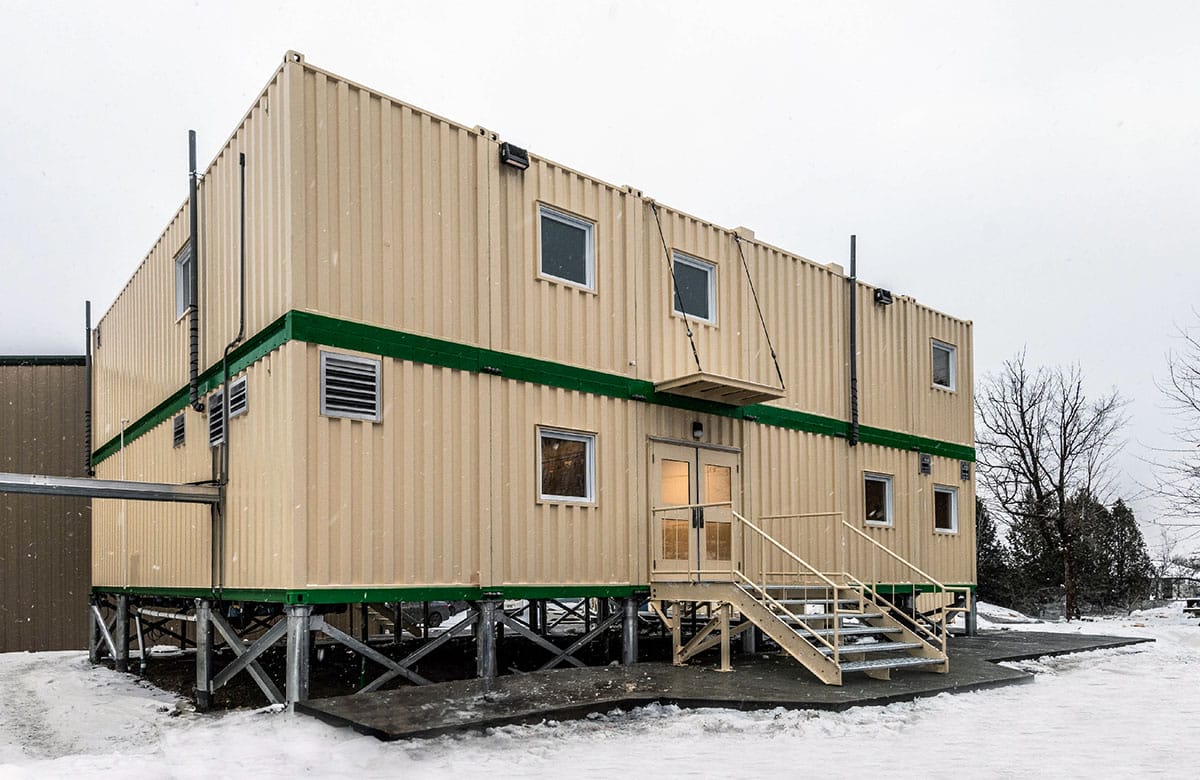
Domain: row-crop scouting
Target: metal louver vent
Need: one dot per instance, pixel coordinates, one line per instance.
(350, 387)
(216, 424)
(239, 402)
(178, 434)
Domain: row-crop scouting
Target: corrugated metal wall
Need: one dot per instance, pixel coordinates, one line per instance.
(363, 208)
(141, 354)
(44, 540)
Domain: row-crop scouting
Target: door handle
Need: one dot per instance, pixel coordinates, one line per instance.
(697, 517)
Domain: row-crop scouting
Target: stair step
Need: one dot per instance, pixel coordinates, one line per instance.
(771, 588)
(830, 616)
(873, 647)
(888, 663)
(844, 602)
(858, 631)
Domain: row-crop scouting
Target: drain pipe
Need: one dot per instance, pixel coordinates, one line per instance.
(87, 382)
(194, 281)
(219, 524)
(853, 343)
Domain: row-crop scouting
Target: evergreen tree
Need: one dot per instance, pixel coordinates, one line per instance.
(1125, 573)
(994, 567)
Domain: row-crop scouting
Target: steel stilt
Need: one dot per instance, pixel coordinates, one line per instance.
(296, 686)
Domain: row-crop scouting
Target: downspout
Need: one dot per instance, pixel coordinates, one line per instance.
(853, 344)
(219, 526)
(87, 382)
(194, 281)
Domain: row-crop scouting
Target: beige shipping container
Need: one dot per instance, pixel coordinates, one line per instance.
(396, 238)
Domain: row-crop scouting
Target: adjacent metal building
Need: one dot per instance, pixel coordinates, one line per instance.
(472, 372)
(45, 542)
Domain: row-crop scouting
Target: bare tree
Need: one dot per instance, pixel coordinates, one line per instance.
(1041, 442)
(1178, 470)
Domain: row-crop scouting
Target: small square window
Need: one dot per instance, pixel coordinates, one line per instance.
(567, 464)
(695, 284)
(943, 365)
(184, 294)
(568, 247)
(945, 509)
(877, 496)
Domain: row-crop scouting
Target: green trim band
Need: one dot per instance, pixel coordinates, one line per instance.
(341, 334)
(381, 595)
(43, 360)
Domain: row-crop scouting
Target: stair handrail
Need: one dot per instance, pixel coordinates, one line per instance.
(937, 585)
(833, 587)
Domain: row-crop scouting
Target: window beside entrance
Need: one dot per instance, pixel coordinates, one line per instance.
(567, 247)
(567, 463)
(695, 284)
(943, 365)
(945, 509)
(877, 495)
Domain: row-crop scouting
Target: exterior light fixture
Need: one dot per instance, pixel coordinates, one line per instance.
(883, 297)
(514, 156)
(697, 430)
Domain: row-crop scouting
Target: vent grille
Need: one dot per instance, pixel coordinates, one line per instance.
(239, 404)
(216, 422)
(349, 387)
(178, 433)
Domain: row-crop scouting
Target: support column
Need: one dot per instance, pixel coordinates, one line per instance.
(629, 632)
(121, 634)
(725, 611)
(485, 641)
(972, 615)
(203, 654)
(750, 640)
(93, 635)
(298, 629)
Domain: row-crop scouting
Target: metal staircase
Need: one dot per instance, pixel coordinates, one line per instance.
(831, 622)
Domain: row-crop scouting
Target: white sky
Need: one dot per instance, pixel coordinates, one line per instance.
(1031, 166)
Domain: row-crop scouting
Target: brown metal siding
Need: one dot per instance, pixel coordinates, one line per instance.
(44, 540)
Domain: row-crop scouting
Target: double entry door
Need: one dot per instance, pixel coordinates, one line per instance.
(693, 495)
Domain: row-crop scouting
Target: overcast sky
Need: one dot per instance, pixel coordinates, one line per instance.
(1033, 167)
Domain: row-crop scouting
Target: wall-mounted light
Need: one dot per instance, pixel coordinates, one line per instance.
(926, 461)
(883, 297)
(514, 156)
(697, 430)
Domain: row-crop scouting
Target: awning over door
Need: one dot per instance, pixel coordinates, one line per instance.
(719, 389)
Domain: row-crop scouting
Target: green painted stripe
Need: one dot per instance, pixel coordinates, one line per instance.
(42, 360)
(252, 349)
(381, 595)
(340, 334)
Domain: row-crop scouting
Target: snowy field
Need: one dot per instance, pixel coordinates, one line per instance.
(1130, 712)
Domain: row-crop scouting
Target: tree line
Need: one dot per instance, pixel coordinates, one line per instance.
(1051, 528)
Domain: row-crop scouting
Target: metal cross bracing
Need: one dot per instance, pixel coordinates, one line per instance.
(210, 628)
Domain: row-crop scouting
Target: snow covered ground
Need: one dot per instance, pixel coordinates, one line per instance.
(1129, 712)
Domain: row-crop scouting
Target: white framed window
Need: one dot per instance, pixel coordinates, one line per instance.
(694, 290)
(944, 365)
(566, 466)
(183, 280)
(945, 509)
(568, 247)
(350, 387)
(877, 499)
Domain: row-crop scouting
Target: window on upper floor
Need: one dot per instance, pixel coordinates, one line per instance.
(568, 247)
(877, 498)
(183, 280)
(945, 509)
(695, 287)
(944, 368)
(567, 464)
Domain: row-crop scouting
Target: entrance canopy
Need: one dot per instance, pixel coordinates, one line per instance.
(719, 389)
